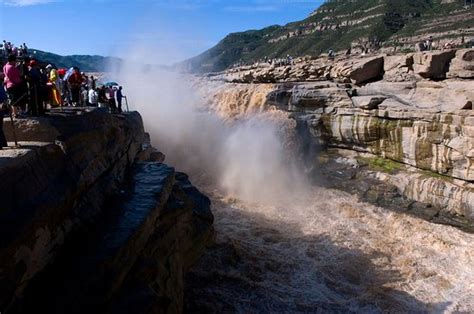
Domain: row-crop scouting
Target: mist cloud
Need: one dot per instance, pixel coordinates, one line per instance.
(245, 158)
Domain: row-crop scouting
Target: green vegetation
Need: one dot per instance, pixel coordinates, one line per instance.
(84, 62)
(381, 164)
(390, 166)
(328, 28)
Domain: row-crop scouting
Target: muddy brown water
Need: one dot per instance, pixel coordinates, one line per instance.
(319, 250)
(329, 253)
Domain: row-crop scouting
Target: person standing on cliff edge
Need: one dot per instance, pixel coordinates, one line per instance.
(93, 97)
(102, 98)
(13, 82)
(110, 93)
(3, 111)
(119, 97)
(75, 83)
(35, 107)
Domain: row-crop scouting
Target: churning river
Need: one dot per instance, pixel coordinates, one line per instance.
(310, 249)
(329, 252)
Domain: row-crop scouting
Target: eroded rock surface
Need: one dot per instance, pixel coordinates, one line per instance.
(433, 65)
(397, 186)
(398, 68)
(462, 66)
(66, 246)
(57, 186)
(134, 257)
(358, 71)
(446, 96)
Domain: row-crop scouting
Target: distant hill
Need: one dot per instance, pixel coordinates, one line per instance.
(86, 63)
(339, 24)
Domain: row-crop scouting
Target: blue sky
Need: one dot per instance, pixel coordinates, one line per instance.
(177, 28)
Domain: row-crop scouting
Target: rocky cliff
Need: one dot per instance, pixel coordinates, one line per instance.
(92, 220)
(395, 129)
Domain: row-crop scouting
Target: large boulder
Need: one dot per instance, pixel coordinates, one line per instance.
(433, 64)
(358, 71)
(462, 66)
(398, 68)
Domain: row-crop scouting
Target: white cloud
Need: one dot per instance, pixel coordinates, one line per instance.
(24, 3)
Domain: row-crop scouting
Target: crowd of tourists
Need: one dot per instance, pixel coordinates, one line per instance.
(279, 61)
(7, 48)
(30, 87)
(270, 61)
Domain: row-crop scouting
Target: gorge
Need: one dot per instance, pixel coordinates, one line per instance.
(321, 166)
(336, 186)
(340, 185)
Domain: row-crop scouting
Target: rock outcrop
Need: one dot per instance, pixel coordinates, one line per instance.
(71, 227)
(309, 95)
(368, 102)
(398, 187)
(439, 142)
(410, 109)
(358, 71)
(433, 65)
(398, 68)
(462, 66)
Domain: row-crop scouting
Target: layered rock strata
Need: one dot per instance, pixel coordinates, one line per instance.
(414, 110)
(397, 186)
(57, 215)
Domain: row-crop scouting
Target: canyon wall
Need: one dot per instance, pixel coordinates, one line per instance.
(403, 121)
(87, 210)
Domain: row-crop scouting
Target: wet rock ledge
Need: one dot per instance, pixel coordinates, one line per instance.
(91, 219)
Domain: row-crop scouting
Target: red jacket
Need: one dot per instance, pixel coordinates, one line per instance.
(75, 80)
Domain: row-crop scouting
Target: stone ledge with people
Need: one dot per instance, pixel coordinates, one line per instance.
(32, 88)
